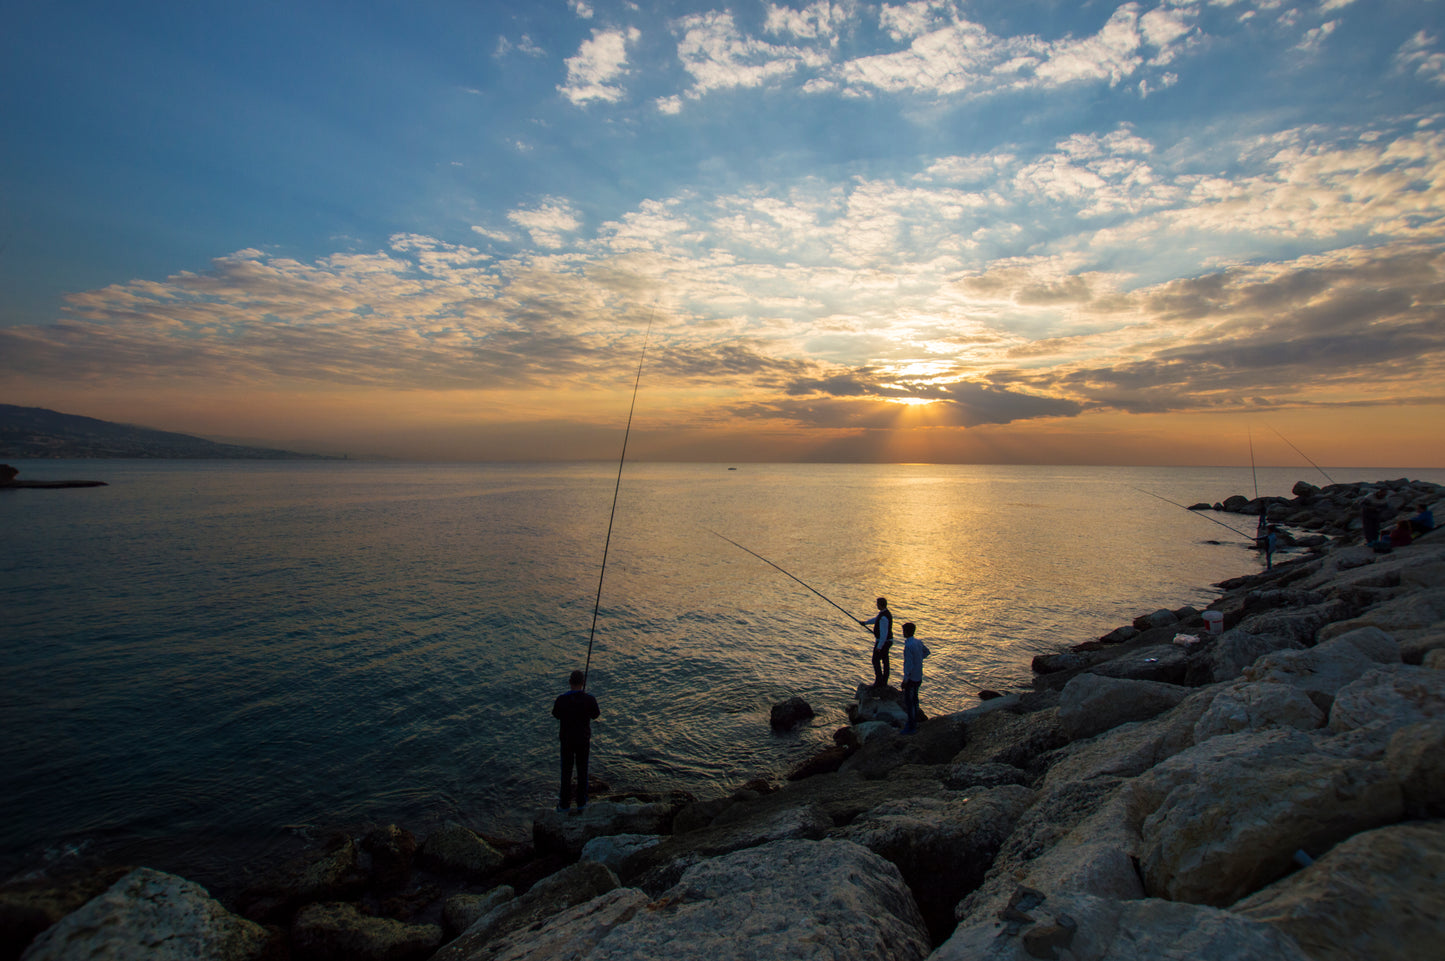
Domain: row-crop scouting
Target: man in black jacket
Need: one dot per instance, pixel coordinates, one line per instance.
(575, 709)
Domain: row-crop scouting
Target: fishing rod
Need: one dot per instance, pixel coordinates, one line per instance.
(1253, 473)
(1303, 454)
(1196, 513)
(611, 517)
(793, 576)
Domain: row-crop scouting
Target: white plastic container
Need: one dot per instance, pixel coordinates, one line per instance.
(1214, 621)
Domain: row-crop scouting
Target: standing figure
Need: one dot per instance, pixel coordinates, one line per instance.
(914, 651)
(575, 709)
(882, 624)
(1372, 510)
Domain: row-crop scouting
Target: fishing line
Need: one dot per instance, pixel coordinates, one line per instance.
(622, 460)
(1304, 455)
(793, 576)
(1196, 513)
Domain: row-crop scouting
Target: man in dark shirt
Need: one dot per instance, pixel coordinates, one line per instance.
(575, 709)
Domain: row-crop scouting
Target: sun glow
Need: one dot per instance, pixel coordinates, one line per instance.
(910, 401)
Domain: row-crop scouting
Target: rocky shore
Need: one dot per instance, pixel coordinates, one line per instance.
(1263, 779)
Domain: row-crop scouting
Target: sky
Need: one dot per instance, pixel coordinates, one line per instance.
(1177, 232)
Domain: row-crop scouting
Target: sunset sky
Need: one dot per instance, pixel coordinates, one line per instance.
(986, 232)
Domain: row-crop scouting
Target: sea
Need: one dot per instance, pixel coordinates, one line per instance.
(206, 663)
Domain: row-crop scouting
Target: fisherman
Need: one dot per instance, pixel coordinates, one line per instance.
(882, 625)
(575, 709)
(1424, 520)
(914, 651)
(1372, 510)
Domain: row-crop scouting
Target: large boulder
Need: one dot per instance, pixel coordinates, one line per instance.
(1225, 818)
(1375, 895)
(340, 932)
(149, 915)
(549, 897)
(331, 873)
(1166, 663)
(941, 846)
(1257, 707)
(613, 850)
(1236, 649)
(1389, 698)
(1416, 757)
(1079, 926)
(805, 900)
(1323, 669)
(1093, 703)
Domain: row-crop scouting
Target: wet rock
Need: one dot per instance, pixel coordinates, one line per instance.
(457, 851)
(790, 713)
(153, 916)
(339, 932)
(1160, 618)
(333, 873)
(393, 855)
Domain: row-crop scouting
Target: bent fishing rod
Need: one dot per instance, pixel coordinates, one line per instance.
(1197, 514)
(793, 576)
(597, 605)
(1302, 454)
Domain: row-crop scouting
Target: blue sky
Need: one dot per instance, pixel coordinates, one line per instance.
(935, 231)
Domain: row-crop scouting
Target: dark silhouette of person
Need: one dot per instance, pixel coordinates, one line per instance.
(914, 651)
(882, 624)
(575, 709)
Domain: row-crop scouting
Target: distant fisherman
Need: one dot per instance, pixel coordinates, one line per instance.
(882, 624)
(914, 651)
(575, 709)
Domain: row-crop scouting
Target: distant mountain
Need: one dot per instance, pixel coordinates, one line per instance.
(34, 432)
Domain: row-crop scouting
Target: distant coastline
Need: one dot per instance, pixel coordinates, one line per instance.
(34, 433)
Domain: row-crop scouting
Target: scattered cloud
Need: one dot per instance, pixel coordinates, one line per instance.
(1419, 56)
(601, 61)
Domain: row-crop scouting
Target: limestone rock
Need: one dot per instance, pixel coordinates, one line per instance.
(1323, 669)
(614, 849)
(1085, 928)
(1375, 895)
(1091, 703)
(149, 915)
(1257, 707)
(573, 885)
(567, 832)
(333, 873)
(1236, 649)
(941, 846)
(1390, 698)
(458, 851)
(1224, 818)
(572, 935)
(339, 932)
(966, 774)
(802, 900)
(1165, 663)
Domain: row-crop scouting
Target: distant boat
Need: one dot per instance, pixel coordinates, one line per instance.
(732, 468)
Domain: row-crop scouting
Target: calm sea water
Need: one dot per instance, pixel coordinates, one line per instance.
(204, 659)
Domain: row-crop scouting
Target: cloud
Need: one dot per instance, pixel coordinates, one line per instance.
(1417, 55)
(547, 222)
(599, 62)
(718, 57)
